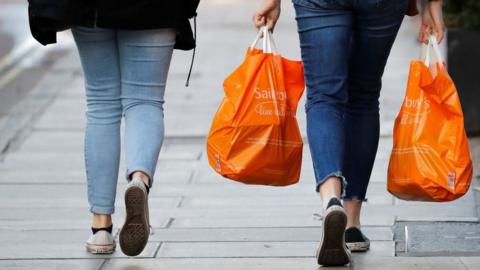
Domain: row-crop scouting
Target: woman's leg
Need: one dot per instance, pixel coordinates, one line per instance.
(145, 59)
(325, 29)
(375, 28)
(99, 57)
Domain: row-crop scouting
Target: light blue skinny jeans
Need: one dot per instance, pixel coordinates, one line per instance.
(125, 75)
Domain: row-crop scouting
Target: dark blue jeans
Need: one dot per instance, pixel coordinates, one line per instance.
(345, 45)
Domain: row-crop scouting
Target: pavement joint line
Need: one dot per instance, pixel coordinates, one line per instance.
(157, 249)
(190, 180)
(463, 264)
(102, 265)
(180, 202)
(233, 257)
(169, 223)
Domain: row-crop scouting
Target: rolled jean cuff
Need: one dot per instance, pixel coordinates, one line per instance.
(354, 199)
(140, 169)
(102, 210)
(334, 174)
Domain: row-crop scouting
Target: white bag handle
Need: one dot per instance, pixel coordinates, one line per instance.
(268, 45)
(426, 54)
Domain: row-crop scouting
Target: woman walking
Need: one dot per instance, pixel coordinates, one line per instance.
(125, 48)
(345, 45)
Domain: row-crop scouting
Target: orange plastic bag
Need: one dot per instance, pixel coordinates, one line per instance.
(254, 137)
(430, 160)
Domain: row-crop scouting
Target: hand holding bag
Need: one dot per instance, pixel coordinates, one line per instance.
(430, 159)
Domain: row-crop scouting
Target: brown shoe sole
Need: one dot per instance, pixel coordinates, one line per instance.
(134, 234)
(332, 250)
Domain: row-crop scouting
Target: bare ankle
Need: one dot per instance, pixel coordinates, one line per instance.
(353, 209)
(101, 221)
(332, 187)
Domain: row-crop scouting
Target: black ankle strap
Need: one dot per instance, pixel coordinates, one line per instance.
(108, 229)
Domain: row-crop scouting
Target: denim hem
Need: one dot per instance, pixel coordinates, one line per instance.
(141, 169)
(354, 198)
(102, 210)
(334, 174)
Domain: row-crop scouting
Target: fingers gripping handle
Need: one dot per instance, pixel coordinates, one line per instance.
(427, 51)
(268, 45)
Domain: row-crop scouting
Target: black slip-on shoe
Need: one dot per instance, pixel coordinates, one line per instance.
(356, 240)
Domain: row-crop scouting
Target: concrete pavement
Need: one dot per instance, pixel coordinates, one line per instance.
(201, 221)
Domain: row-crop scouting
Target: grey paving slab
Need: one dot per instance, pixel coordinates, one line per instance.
(237, 191)
(65, 195)
(80, 264)
(55, 143)
(383, 198)
(68, 202)
(67, 106)
(28, 109)
(232, 189)
(18, 177)
(72, 218)
(437, 263)
(255, 213)
(266, 221)
(176, 165)
(43, 161)
(361, 262)
(218, 263)
(54, 244)
(472, 263)
(73, 160)
(47, 177)
(430, 211)
(438, 239)
(62, 122)
(261, 215)
(295, 205)
(234, 202)
(256, 234)
(256, 249)
(252, 195)
(205, 175)
(55, 140)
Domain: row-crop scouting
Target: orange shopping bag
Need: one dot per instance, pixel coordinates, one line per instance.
(430, 159)
(254, 137)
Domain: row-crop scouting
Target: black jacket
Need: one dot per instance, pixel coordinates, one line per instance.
(47, 17)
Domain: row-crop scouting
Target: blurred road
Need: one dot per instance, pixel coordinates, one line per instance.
(22, 62)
